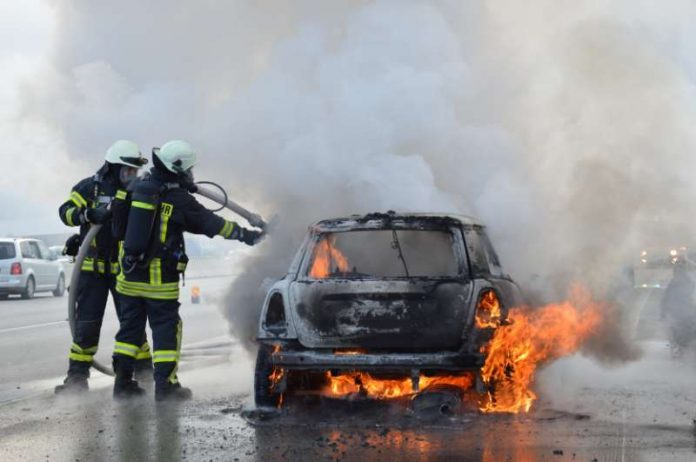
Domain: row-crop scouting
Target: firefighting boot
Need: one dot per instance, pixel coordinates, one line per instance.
(72, 385)
(124, 385)
(144, 371)
(172, 392)
(126, 389)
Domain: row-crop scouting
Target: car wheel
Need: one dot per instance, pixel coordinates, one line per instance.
(264, 396)
(28, 292)
(60, 288)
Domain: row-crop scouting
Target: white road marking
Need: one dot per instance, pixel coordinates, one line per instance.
(31, 326)
(623, 439)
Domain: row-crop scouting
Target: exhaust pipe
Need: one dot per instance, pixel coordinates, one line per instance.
(438, 401)
(253, 219)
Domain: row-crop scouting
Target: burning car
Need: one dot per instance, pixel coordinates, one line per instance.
(380, 306)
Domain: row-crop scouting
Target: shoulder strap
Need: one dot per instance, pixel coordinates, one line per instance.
(97, 179)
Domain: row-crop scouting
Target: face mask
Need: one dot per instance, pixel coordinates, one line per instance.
(186, 179)
(127, 175)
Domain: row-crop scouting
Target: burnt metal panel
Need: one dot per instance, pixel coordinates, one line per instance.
(318, 360)
(381, 314)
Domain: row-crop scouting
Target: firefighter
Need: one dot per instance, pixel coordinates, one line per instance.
(89, 203)
(153, 257)
(678, 309)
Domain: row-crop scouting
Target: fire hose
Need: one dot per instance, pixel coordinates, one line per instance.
(254, 220)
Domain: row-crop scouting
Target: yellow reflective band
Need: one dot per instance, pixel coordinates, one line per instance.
(126, 349)
(88, 264)
(121, 194)
(223, 229)
(165, 356)
(156, 272)
(77, 199)
(142, 205)
(144, 352)
(79, 357)
(167, 210)
(115, 268)
(78, 349)
(227, 229)
(68, 216)
(172, 377)
(166, 291)
(181, 267)
(168, 353)
(167, 286)
(151, 296)
(101, 266)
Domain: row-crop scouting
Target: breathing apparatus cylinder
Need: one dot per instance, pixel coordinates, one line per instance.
(141, 218)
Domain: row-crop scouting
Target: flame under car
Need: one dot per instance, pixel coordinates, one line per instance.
(382, 306)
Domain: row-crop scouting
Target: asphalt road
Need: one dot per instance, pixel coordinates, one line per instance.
(35, 336)
(637, 411)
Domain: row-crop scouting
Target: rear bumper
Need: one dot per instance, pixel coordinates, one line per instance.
(319, 360)
(12, 284)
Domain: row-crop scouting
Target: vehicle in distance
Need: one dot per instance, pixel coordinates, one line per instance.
(27, 266)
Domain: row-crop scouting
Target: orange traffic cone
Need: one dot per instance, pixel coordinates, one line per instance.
(195, 295)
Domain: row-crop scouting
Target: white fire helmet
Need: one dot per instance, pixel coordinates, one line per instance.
(125, 152)
(177, 156)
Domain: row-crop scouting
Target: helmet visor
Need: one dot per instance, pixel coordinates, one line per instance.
(134, 161)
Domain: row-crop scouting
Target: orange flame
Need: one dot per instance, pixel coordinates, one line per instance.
(326, 255)
(277, 374)
(488, 312)
(533, 338)
(363, 383)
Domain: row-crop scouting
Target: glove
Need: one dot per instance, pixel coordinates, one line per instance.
(247, 236)
(98, 216)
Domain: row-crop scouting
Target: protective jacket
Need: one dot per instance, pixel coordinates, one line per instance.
(95, 191)
(176, 211)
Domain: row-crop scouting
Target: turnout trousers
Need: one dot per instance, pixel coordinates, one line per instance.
(164, 320)
(92, 295)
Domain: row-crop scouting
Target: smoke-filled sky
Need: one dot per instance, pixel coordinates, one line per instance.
(568, 127)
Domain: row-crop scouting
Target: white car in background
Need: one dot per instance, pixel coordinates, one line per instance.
(27, 266)
(65, 260)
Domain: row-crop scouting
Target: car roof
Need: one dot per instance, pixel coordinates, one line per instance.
(368, 220)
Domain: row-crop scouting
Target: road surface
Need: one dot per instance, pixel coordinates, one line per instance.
(639, 411)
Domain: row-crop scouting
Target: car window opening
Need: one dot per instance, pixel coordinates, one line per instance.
(384, 254)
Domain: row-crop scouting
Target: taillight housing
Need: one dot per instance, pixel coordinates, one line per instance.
(488, 310)
(16, 269)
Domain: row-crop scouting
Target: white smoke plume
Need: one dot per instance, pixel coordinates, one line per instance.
(566, 126)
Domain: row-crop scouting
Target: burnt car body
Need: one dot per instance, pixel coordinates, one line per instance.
(399, 294)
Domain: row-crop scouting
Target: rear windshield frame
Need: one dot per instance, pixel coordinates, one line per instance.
(457, 249)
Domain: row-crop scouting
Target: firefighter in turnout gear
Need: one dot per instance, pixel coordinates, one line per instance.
(89, 203)
(153, 258)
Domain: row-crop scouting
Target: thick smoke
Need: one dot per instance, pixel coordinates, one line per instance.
(566, 127)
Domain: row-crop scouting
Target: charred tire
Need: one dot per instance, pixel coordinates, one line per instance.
(29, 289)
(59, 291)
(263, 396)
